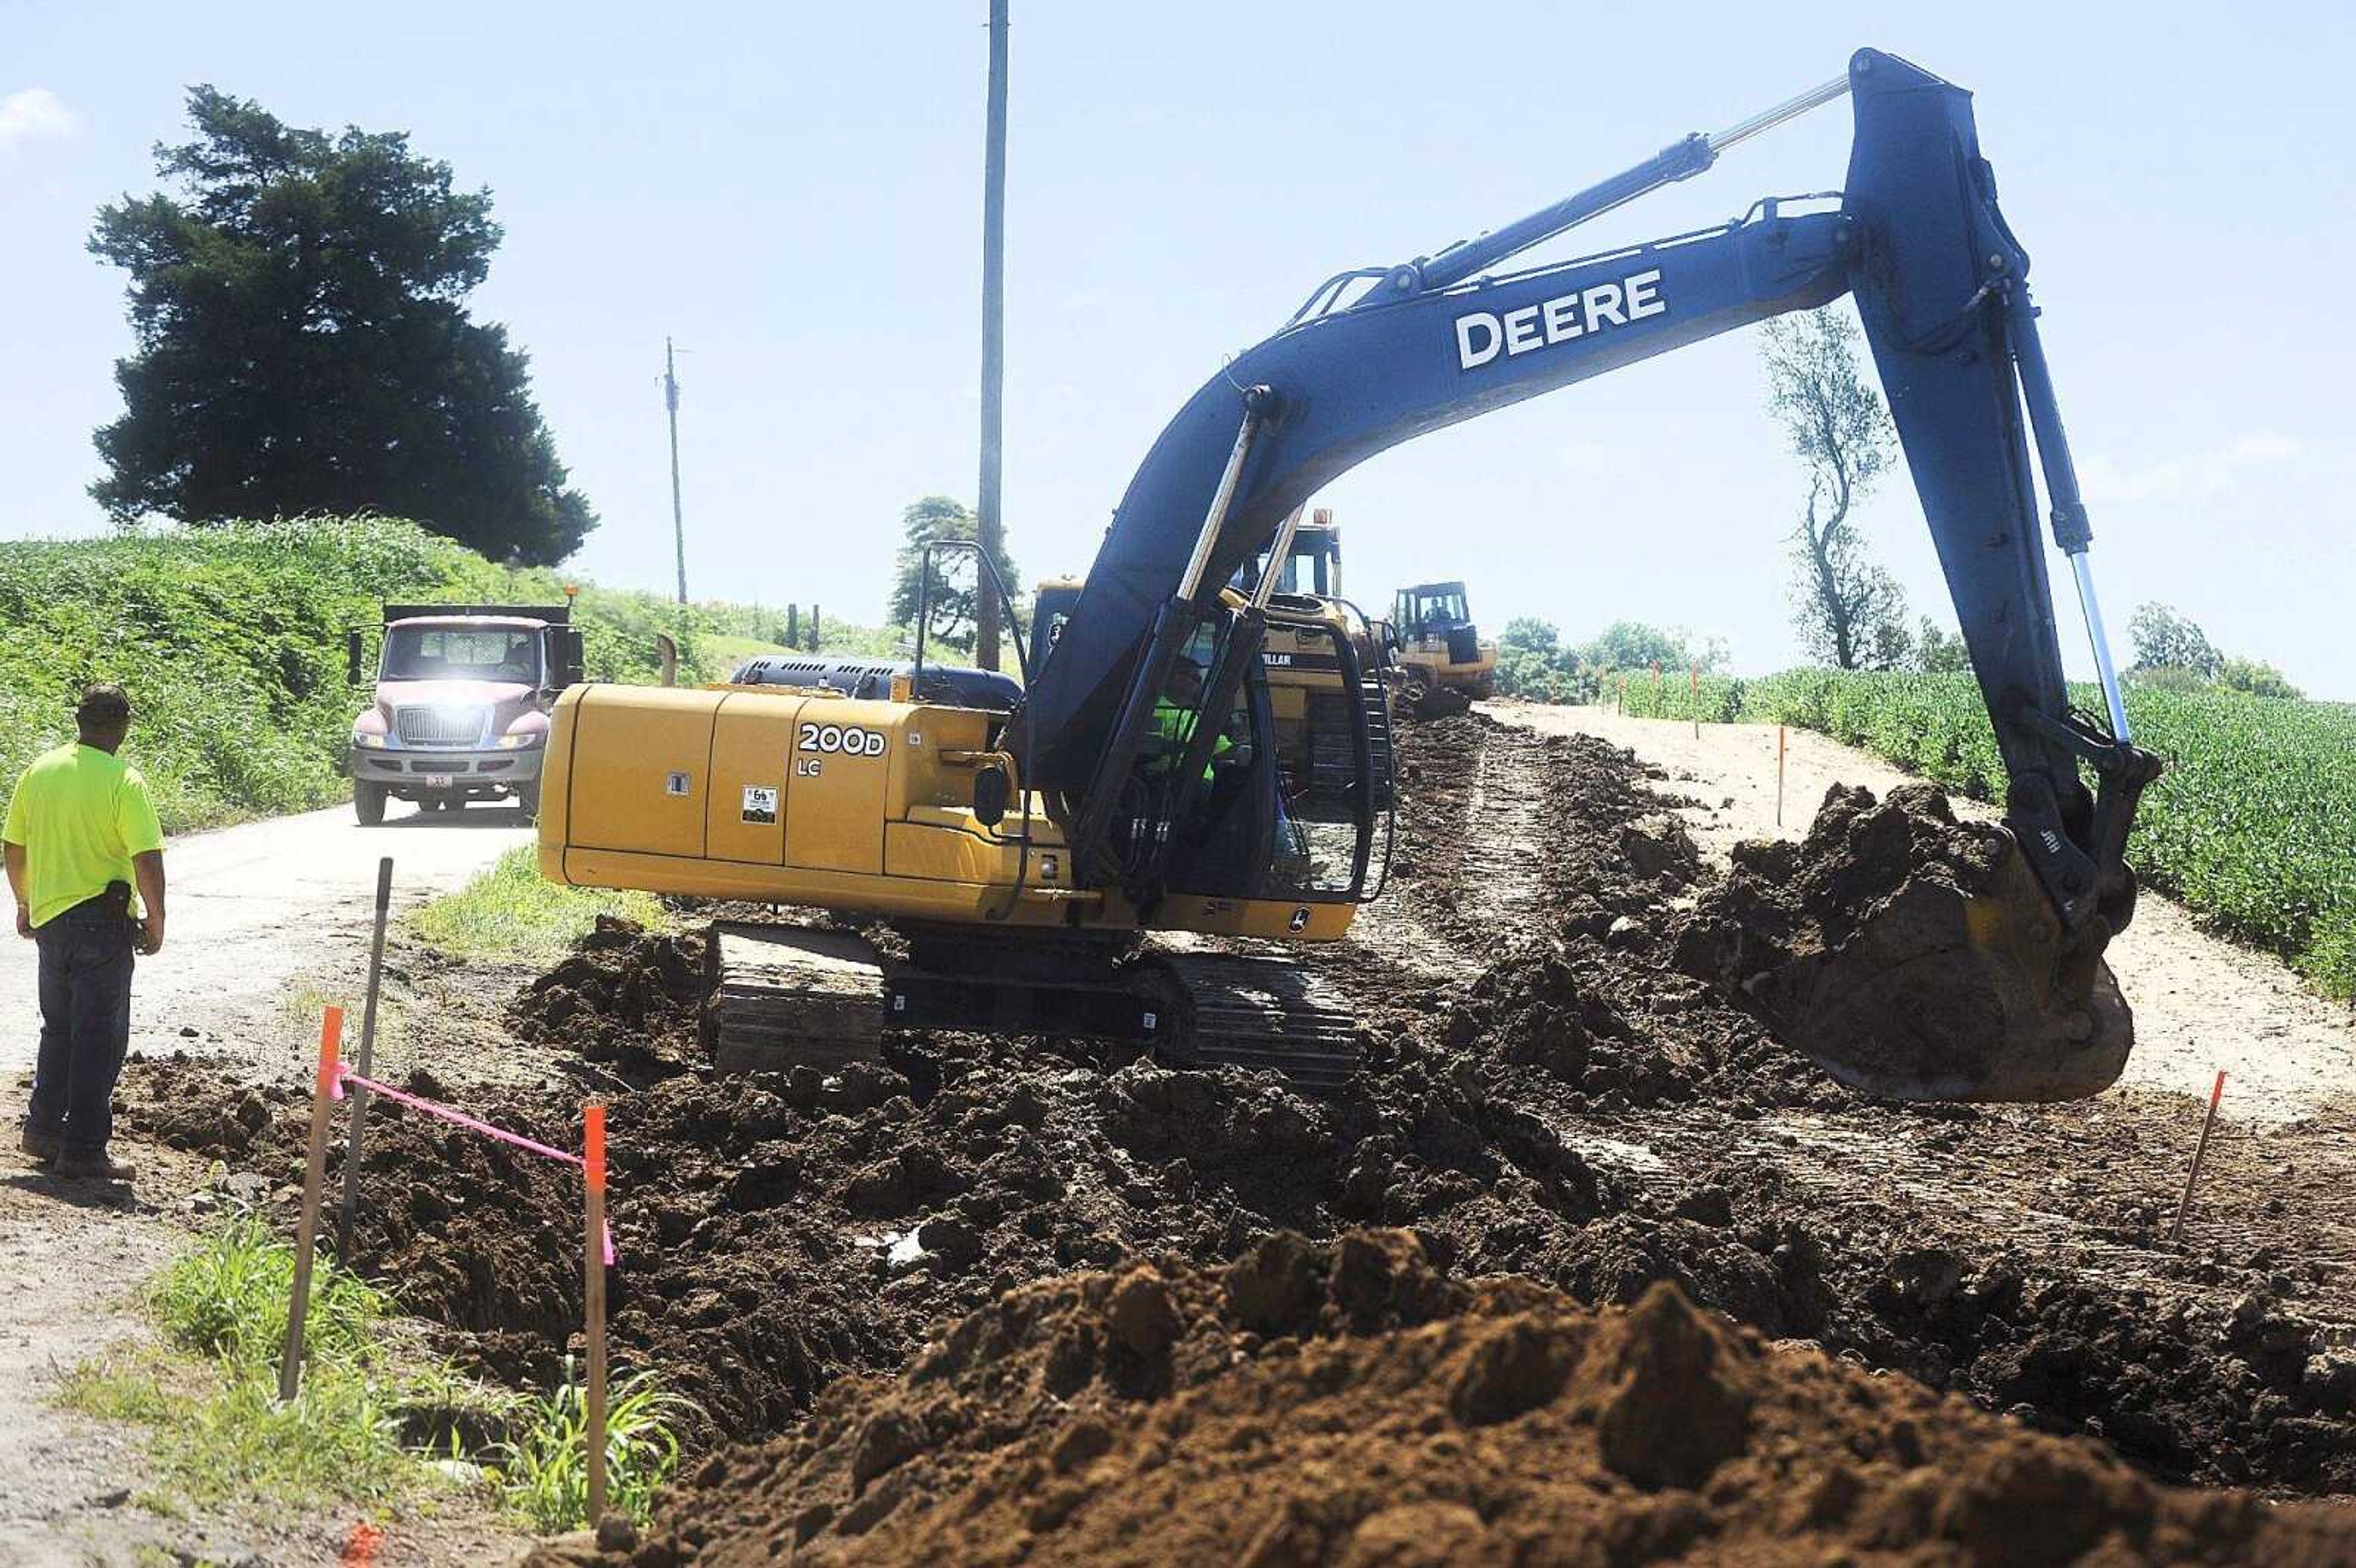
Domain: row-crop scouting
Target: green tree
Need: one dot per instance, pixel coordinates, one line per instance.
(950, 598)
(1632, 644)
(303, 344)
(1849, 612)
(1528, 633)
(1940, 652)
(2257, 678)
(2163, 639)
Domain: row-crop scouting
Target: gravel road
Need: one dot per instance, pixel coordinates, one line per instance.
(253, 905)
(253, 908)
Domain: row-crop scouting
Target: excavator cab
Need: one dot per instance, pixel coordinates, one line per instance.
(1213, 811)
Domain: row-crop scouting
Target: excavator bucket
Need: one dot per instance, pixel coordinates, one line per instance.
(1956, 985)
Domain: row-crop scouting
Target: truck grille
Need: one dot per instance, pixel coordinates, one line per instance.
(423, 726)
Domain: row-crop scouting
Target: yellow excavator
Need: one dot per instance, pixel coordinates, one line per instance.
(1020, 841)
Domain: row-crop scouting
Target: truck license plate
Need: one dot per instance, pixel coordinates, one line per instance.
(437, 781)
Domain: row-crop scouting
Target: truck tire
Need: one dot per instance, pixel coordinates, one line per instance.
(528, 797)
(367, 802)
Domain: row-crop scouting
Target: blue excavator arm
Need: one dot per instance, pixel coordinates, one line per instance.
(1940, 285)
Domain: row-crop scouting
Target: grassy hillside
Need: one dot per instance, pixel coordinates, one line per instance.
(232, 643)
(2254, 824)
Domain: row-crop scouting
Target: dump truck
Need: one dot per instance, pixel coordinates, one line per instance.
(462, 694)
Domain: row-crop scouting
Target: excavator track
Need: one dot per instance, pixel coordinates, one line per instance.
(1263, 1014)
(778, 998)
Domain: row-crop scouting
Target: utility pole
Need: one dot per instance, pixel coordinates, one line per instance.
(678, 521)
(993, 343)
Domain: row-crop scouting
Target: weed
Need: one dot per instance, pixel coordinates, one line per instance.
(228, 1300)
(207, 1396)
(542, 1473)
(512, 913)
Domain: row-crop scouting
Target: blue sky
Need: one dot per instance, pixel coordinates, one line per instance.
(793, 193)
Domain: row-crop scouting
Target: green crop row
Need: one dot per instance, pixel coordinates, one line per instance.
(231, 642)
(2253, 826)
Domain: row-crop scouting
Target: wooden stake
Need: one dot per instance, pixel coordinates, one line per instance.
(2200, 1152)
(306, 1233)
(593, 1162)
(368, 1058)
(1692, 697)
(1779, 776)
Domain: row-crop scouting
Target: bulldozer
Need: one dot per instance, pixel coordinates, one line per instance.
(1042, 861)
(1444, 666)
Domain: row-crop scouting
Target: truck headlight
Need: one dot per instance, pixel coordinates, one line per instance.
(370, 740)
(518, 743)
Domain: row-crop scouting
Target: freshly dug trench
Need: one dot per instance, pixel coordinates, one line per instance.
(1912, 957)
(781, 1233)
(1346, 1403)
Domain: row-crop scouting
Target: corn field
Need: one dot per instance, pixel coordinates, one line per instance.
(2253, 826)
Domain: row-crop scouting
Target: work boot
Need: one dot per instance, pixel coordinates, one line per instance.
(42, 1146)
(74, 1165)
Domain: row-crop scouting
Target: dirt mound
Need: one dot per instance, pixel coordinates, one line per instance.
(626, 999)
(778, 1233)
(1348, 1404)
(1912, 955)
(196, 1104)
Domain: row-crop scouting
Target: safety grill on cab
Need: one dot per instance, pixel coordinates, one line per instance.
(426, 726)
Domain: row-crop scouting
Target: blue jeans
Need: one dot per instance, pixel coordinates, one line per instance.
(86, 961)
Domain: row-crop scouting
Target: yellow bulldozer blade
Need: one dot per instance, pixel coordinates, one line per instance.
(1949, 993)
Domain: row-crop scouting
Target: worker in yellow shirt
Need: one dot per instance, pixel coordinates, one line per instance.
(1173, 723)
(80, 830)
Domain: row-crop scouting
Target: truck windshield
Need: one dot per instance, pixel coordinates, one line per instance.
(461, 653)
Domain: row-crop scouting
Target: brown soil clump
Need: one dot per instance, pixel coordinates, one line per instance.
(1912, 955)
(625, 1000)
(1347, 1403)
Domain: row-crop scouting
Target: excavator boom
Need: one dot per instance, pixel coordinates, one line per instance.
(1941, 287)
(1139, 784)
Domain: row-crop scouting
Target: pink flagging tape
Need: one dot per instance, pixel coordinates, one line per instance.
(474, 1125)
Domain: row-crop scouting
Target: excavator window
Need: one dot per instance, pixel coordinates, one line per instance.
(1239, 824)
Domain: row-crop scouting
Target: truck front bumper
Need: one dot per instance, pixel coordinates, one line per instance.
(471, 775)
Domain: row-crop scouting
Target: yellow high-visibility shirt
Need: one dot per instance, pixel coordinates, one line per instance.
(80, 815)
(1171, 728)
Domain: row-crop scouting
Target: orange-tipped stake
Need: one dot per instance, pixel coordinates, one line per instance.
(2200, 1152)
(307, 1233)
(592, 1170)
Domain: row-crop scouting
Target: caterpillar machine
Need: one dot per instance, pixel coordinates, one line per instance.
(1313, 715)
(1017, 852)
(1445, 666)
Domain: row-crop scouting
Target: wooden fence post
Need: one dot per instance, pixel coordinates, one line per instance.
(592, 1167)
(306, 1231)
